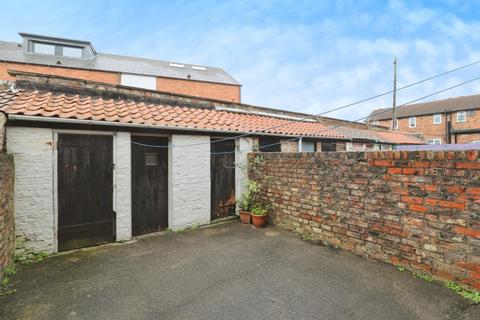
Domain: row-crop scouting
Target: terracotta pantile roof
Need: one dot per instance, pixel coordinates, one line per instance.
(463, 103)
(68, 106)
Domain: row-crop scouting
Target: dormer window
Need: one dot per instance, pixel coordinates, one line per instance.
(72, 52)
(59, 47)
(43, 48)
(56, 49)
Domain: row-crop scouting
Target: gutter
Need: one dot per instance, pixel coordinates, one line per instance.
(465, 131)
(14, 117)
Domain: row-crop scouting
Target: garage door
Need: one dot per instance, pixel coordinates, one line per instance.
(85, 188)
(149, 184)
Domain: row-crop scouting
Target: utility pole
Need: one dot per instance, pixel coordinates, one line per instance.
(394, 106)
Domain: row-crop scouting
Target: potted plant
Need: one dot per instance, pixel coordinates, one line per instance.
(246, 201)
(259, 216)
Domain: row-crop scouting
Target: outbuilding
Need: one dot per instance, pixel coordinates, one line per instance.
(97, 163)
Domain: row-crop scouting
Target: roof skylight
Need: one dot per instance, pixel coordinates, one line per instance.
(176, 65)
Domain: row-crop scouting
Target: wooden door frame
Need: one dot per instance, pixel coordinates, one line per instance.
(55, 173)
(234, 142)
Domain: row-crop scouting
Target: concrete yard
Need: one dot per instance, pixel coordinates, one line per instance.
(227, 271)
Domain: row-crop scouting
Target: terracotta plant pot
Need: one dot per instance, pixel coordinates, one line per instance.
(245, 217)
(259, 221)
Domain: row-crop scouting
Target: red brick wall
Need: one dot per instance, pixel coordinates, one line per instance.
(417, 209)
(200, 89)
(7, 229)
(467, 138)
(189, 87)
(99, 76)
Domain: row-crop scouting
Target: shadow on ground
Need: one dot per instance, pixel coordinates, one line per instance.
(228, 271)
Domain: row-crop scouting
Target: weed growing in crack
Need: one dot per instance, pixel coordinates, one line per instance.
(473, 296)
(423, 276)
(180, 230)
(5, 285)
(307, 237)
(32, 257)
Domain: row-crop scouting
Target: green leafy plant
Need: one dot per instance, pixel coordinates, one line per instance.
(10, 271)
(5, 281)
(423, 276)
(308, 237)
(258, 210)
(7, 292)
(7, 273)
(401, 268)
(473, 296)
(248, 198)
(32, 257)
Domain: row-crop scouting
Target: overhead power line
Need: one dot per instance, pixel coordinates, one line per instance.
(322, 113)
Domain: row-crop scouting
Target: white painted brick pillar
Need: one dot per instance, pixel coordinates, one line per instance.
(32, 149)
(123, 186)
(189, 181)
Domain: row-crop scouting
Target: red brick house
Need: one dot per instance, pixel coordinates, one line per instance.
(453, 120)
(79, 59)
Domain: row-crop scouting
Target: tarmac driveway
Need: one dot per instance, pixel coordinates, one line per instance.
(228, 271)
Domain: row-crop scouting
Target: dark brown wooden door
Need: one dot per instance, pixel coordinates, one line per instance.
(149, 185)
(85, 191)
(222, 171)
(269, 144)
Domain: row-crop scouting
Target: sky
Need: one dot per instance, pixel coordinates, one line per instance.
(305, 56)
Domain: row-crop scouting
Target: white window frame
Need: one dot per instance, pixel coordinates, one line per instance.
(412, 124)
(439, 115)
(464, 113)
(476, 141)
(72, 52)
(434, 141)
(395, 125)
(58, 49)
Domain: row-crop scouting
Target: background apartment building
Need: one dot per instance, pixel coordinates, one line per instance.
(79, 59)
(453, 120)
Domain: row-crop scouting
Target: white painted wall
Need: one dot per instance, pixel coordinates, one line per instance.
(138, 81)
(243, 146)
(189, 181)
(35, 196)
(123, 183)
(33, 199)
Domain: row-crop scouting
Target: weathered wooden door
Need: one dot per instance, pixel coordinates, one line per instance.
(149, 184)
(222, 170)
(269, 144)
(85, 191)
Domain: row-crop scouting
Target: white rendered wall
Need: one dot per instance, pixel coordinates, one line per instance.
(33, 199)
(243, 146)
(189, 181)
(138, 81)
(123, 183)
